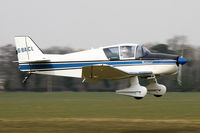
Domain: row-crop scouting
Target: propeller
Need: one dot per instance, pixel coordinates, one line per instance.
(181, 61)
(179, 76)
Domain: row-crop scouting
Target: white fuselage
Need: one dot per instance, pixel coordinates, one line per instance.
(70, 65)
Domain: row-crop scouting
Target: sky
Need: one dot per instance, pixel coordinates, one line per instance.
(95, 23)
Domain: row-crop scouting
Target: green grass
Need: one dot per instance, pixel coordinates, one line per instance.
(98, 112)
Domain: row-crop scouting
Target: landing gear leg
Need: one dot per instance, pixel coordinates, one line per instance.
(135, 90)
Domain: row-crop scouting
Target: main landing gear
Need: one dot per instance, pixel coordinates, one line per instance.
(138, 91)
(135, 90)
(154, 88)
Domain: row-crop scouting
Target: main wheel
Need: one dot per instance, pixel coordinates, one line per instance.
(157, 95)
(138, 98)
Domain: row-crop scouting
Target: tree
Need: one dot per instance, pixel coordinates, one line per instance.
(162, 48)
(176, 42)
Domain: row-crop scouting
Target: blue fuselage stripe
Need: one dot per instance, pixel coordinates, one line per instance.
(82, 64)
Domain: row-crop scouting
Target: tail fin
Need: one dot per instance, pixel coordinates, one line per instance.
(28, 51)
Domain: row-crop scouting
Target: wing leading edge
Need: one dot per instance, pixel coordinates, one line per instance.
(99, 72)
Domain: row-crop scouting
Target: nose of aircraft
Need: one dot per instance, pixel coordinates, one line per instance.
(181, 60)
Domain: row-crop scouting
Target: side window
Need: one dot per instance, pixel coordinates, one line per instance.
(112, 53)
(127, 51)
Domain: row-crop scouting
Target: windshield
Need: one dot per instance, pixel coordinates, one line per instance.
(141, 51)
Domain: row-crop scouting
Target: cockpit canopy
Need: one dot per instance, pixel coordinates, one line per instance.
(141, 51)
(125, 52)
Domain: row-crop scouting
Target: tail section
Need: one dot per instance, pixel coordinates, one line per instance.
(28, 51)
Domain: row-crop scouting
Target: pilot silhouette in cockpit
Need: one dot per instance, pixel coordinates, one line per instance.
(126, 52)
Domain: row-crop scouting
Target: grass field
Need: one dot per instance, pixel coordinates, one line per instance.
(83, 112)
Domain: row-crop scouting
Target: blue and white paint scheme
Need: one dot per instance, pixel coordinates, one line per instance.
(111, 62)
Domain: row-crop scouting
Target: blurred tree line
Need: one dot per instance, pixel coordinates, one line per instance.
(177, 45)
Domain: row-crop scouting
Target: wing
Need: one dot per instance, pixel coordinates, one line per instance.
(98, 72)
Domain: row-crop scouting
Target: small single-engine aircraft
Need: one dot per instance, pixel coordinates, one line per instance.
(111, 62)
